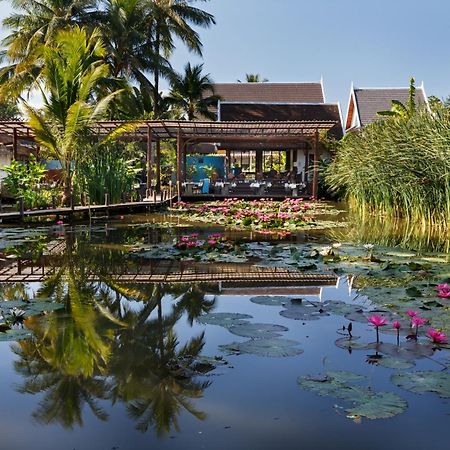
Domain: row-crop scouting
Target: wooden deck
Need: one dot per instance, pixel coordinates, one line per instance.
(167, 271)
(147, 205)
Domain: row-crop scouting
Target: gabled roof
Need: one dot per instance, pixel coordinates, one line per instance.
(270, 92)
(366, 103)
(283, 112)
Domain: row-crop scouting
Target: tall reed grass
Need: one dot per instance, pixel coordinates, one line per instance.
(397, 167)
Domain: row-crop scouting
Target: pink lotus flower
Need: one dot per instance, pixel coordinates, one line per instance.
(443, 287)
(418, 321)
(412, 313)
(212, 242)
(378, 321)
(60, 222)
(397, 326)
(444, 293)
(436, 336)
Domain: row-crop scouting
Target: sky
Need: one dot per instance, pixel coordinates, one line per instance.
(372, 43)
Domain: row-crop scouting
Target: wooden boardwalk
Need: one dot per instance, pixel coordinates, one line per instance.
(147, 205)
(166, 271)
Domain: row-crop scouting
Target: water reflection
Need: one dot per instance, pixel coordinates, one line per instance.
(391, 232)
(105, 346)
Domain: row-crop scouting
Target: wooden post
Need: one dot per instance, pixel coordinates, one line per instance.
(21, 209)
(315, 187)
(170, 193)
(179, 161)
(15, 144)
(149, 161)
(106, 199)
(158, 165)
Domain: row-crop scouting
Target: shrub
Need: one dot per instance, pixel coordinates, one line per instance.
(397, 166)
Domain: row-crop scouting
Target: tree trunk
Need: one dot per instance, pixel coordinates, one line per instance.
(67, 191)
(156, 74)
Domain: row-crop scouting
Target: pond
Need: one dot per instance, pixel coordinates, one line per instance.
(88, 361)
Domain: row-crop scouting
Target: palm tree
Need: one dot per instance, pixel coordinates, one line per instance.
(170, 19)
(189, 93)
(400, 110)
(74, 69)
(254, 78)
(36, 23)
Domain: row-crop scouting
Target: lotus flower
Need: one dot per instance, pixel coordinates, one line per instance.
(397, 326)
(60, 222)
(412, 313)
(368, 247)
(436, 336)
(377, 321)
(444, 290)
(416, 322)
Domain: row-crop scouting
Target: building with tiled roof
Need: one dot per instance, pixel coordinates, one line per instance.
(271, 92)
(365, 103)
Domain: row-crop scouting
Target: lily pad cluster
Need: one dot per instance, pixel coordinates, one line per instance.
(264, 338)
(264, 214)
(364, 402)
(13, 315)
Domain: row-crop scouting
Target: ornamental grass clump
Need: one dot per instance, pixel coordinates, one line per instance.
(397, 167)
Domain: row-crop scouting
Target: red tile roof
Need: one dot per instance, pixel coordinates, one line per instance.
(270, 92)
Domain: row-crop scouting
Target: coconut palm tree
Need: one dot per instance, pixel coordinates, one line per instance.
(74, 69)
(170, 19)
(36, 23)
(189, 93)
(254, 78)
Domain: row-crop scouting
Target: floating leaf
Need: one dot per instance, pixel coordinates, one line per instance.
(382, 405)
(367, 403)
(270, 300)
(224, 319)
(265, 347)
(257, 330)
(421, 382)
(15, 334)
(395, 363)
(353, 343)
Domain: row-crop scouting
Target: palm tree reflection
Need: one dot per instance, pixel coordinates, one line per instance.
(99, 348)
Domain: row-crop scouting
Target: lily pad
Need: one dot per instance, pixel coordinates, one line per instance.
(15, 334)
(353, 343)
(366, 403)
(270, 300)
(382, 405)
(224, 319)
(426, 381)
(257, 330)
(274, 348)
(395, 363)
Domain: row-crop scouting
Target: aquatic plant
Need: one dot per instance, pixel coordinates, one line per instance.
(377, 322)
(437, 336)
(397, 325)
(398, 167)
(260, 215)
(444, 290)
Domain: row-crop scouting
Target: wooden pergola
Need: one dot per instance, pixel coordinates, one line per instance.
(188, 133)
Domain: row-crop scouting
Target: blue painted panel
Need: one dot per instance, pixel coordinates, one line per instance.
(198, 161)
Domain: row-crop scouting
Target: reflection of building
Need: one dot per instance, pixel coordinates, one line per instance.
(365, 103)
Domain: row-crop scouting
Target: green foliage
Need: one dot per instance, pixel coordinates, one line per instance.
(113, 170)
(73, 73)
(398, 167)
(25, 180)
(404, 111)
(9, 111)
(188, 93)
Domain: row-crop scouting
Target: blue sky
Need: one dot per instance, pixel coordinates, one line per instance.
(372, 43)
